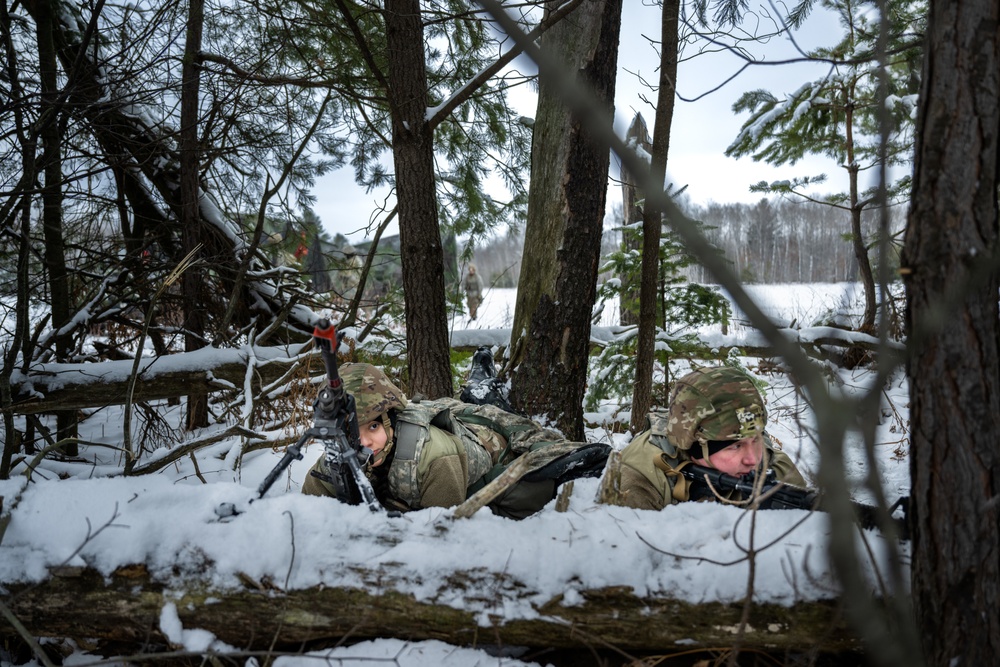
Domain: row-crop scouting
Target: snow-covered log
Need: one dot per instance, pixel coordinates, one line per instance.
(127, 561)
(50, 387)
(816, 341)
(53, 386)
(125, 610)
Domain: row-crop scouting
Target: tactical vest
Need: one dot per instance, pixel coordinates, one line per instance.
(483, 445)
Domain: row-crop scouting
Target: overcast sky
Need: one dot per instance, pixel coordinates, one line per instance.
(702, 128)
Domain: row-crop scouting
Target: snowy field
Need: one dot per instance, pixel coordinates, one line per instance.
(56, 514)
(796, 305)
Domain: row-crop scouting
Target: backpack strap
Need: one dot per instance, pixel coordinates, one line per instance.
(411, 435)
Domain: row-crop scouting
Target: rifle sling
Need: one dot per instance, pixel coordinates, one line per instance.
(680, 486)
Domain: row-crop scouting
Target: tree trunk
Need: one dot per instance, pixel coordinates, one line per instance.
(192, 280)
(419, 234)
(652, 218)
(631, 214)
(19, 343)
(861, 256)
(122, 612)
(52, 225)
(558, 284)
(857, 236)
(952, 284)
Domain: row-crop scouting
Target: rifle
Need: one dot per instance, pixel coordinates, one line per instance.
(335, 424)
(777, 495)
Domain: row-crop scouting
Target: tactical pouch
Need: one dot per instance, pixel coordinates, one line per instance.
(656, 422)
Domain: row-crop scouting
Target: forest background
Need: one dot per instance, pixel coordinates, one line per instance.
(158, 162)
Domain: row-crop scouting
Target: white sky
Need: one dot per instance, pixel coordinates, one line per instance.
(701, 132)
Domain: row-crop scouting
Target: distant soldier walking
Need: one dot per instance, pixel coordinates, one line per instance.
(350, 275)
(473, 290)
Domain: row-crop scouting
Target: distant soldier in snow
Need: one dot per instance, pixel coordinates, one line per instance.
(473, 290)
(716, 418)
(350, 273)
(438, 453)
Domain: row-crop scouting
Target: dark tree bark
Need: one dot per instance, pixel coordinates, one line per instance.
(192, 281)
(631, 213)
(20, 341)
(565, 222)
(419, 234)
(652, 217)
(52, 196)
(950, 260)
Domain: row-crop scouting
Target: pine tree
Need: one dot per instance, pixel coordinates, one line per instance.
(838, 117)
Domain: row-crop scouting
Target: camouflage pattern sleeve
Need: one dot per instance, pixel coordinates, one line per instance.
(316, 487)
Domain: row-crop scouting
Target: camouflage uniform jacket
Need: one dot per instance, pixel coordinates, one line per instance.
(442, 448)
(643, 484)
(473, 286)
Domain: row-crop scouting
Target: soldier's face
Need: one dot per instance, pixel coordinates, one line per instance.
(740, 457)
(374, 437)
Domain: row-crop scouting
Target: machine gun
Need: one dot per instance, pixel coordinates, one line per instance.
(777, 495)
(335, 424)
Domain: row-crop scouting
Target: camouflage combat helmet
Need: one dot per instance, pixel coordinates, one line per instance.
(374, 393)
(374, 396)
(717, 404)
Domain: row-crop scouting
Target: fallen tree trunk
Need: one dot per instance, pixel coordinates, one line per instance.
(813, 340)
(124, 611)
(51, 387)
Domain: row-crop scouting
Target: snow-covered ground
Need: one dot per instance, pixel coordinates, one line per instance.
(169, 520)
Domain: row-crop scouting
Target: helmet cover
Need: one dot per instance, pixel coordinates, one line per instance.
(719, 404)
(374, 393)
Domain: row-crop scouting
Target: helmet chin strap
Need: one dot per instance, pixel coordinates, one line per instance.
(705, 456)
(390, 440)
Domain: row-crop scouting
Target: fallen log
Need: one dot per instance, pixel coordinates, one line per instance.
(815, 341)
(118, 568)
(124, 610)
(51, 387)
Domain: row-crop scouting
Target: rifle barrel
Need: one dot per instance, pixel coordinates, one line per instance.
(779, 495)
